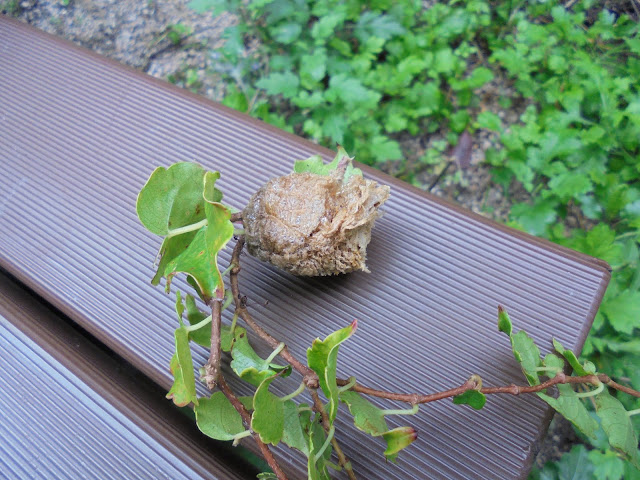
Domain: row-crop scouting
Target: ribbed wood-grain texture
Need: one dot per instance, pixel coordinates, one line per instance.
(69, 409)
(79, 136)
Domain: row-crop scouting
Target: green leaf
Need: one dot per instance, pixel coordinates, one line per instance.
(569, 405)
(183, 390)
(286, 32)
(200, 259)
(179, 307)
(317, 470)
(210, 193)
(607, 465)
(527, 354)
(351, 91)
(618, 426)
(366, 416)
(267, 476)
(323, 358)
(378, 25)
(473, 398)
(537, 217)
(578, 369)
(268, 414)
(285, 84)
(504, 322)
(397, 439)
(217, 418)
(293, 434)
(313, 68)
(315, 165)
(326, 25)
(574, 465)
(178, 392)
(479, 77)
(246, 363)
(201, 336)
(171, 198)
(623, 311)
(569, 185)
(383, 149)
(171, 247)
(445, 61)
(459, 121)
(490, 121)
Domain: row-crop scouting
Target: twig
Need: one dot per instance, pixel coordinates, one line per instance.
(212, 368)
(561, 378)
(310, 377)
(236, 217)
(246, 420)
(610, 383)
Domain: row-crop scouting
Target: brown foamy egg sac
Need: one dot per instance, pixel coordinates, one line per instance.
(312, 225)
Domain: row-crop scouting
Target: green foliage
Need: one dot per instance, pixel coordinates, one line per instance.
(615, 420)
(473, 398)
(323, 359)
(182, 204)
(315, 165)
(247, 364)
(370, 419)
(354, 73)
(217, 418)
(268, 414)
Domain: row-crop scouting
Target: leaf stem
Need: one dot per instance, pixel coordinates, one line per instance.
(275, 353)
(198, 325)
(240, 436)
(348, 386)
(228, 298)
(294, 394)
(592, 393)
(234, 320)
(318, 455)
(335, 467)
(555, 370)
(631, 413)
(187, 228)
(411, 411)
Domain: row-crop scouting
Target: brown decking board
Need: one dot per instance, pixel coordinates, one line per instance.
(79, 135)
(70, 409)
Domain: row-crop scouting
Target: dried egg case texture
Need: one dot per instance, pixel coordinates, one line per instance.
(312, 225)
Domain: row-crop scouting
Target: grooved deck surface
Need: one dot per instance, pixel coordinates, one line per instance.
(80, 134)
(69, 410)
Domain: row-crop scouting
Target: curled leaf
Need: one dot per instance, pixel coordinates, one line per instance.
(397, 439)
(323, 359)
(473, 398)
(171, 198)
(183, 390)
